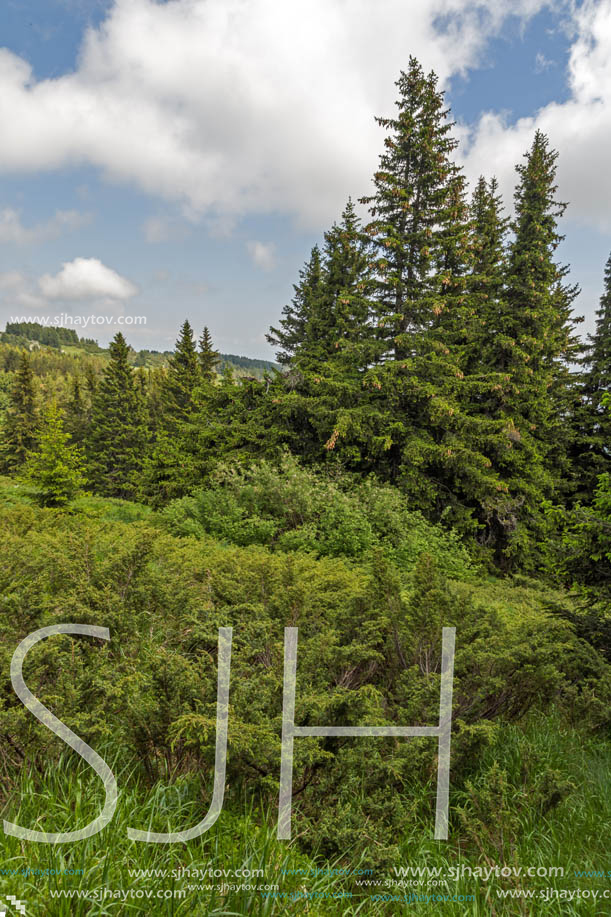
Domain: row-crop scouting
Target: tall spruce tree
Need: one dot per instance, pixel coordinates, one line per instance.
(536, 343)
(487, 274)
(536, 338)
(209, 358)
(78, 413)
(412, 208)
(329, 342)
(339, 325)
(117, 438)
(420, 234)
(292, 330)
(594, 420)
(182, 379)
(19, 435)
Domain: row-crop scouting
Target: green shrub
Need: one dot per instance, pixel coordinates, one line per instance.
(289, 508)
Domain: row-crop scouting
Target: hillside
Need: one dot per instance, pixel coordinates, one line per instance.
(528, 754)
(34, 336)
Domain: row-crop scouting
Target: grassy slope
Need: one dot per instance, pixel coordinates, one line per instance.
(493, 822)
(240, 365)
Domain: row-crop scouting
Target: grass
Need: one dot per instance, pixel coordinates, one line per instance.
(495, 821)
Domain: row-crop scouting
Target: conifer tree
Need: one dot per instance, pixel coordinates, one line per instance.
(182, 379)
(172, 468)
(420, 235)
(339, 323)
(536, 335)
(535, 340)
(487, 273)
(208, 357)
(598, 380)
(91, 382)
(117, 437)
(594, 420)
(19, 435)
(411, 209)
(292, 328)
(56, 468)
(77, 412)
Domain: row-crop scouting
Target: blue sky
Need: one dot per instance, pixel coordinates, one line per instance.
(180, 159)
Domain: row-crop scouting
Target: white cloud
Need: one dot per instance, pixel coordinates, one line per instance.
(86, 278)
(262, 254)
(542, 63)
(13, 230)
(19, 292)
(236, 106)
(580, 128)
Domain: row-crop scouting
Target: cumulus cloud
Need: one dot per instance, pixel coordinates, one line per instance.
(84, 283)
(262, 254)
(236, 106)
(86, 278)
(580, 128)
(13, 230)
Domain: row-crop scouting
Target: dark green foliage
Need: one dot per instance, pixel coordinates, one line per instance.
(593, 455)
(296, 315)
(51, 336)
(78, 411)
(334, 322)
(182, 378)
(208, 357)
(56, 469)
(175, 463)
(413, 210)
(487, 277)
(116, 441)
(536, 330)
(19, 433)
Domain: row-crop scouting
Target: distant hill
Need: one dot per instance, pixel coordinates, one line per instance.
(33, 335)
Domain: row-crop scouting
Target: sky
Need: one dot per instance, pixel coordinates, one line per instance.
(179, 159)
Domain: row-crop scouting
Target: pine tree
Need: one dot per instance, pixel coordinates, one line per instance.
(172, 468)
(339, 323)
(293, 326)
(487, 274)
(78, 414)
(598, 381)
(415, 195)
(594, 421)
(117, 438)
(91, 382)
(56, 468)
(535, 336)
(421, 434)
(328, 340)
(208, 357)
(182, 379)
(536, 340)
(19, 436)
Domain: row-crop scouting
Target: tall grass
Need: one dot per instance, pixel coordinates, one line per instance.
(573, 834)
